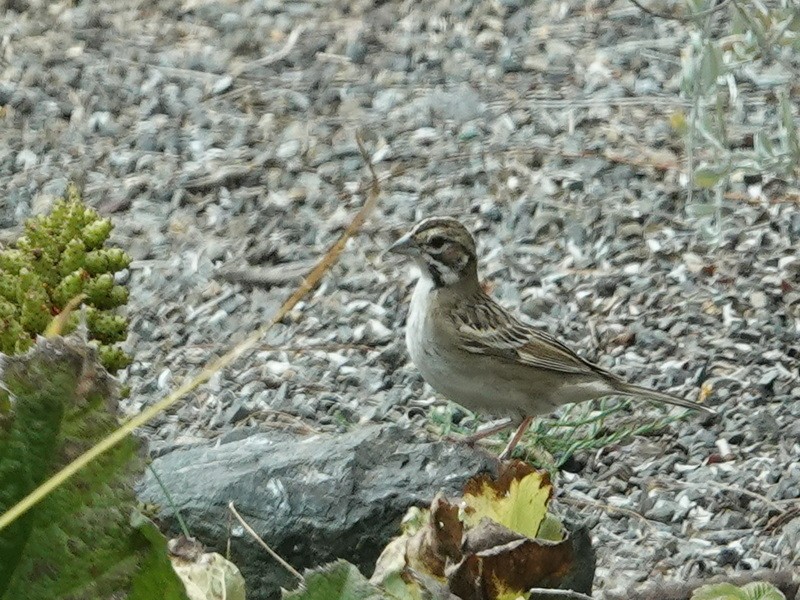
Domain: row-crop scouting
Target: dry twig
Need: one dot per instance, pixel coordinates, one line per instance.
(263, 544)
(568, 594)
(291, 40)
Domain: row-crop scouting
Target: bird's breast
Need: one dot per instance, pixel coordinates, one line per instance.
(458, 375)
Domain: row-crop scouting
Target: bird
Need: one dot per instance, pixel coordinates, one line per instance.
(478, 354)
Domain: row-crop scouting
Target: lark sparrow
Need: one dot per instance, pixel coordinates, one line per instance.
(474, 352)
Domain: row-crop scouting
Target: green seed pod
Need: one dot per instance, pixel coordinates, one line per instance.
(106, 327)
(8, 286)
(68, 224)
(69, 288)
(117, 259)
(11, 332)
(12, 260)
(97, 262)
(113, 358)
(98, 290)
(72, 195)
(119, 296)
(29, 283)
(7, 311)
(73, 257)
(35, 315)
(96, 233)
(60, 256)
(23, 344)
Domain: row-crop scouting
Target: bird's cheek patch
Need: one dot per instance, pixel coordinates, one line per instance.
(454, 256)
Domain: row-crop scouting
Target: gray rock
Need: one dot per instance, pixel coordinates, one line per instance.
(663, 510)
(312, 499)
(729, 520)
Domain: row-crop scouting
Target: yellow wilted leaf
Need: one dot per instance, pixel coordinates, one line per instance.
(517, 499)
(210, 577)
(677, 121)
(705, 391)
(512, 595)
(551, 529)
(431, 539)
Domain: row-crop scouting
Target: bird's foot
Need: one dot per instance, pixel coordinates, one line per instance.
(512, 443)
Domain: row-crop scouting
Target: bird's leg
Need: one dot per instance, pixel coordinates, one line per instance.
(482, 433)
(523, 427)
(487, 431)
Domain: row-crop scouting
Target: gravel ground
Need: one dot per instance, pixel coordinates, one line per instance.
(220, 136)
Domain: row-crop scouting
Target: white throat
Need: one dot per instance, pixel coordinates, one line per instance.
(444, 275)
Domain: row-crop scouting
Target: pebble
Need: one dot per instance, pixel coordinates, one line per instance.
(663, 510)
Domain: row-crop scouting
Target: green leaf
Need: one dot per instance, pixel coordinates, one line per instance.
(761, 590)
(78, 542)
(208, 576)
(711, 67)
(707, 177)
(155, 577)
(718, 591)
(335, 581)
(756, 590)
(397, 589)
(551, 529)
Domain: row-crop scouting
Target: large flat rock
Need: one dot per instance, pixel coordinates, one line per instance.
(312, 499)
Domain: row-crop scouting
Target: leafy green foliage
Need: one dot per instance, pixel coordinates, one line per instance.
(757, 590)
(721, 53)
(61, 256)
(79, 541)
(336, 581)
(553, 440)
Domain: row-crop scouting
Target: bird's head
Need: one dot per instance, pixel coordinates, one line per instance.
(444, 250)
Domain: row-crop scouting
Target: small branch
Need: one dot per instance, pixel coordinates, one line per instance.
(684, 19)
(569, 594)
(291, 40)
(263, 544)
(171, 502)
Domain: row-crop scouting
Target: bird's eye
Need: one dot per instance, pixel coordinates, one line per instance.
(436, 242)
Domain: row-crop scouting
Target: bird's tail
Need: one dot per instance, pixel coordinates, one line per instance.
(628, 389)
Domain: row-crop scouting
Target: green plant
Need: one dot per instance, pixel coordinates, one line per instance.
(722, 146)
(586, 428)
(757, 590)
(553, 440)
(84, 540)
(62, 256)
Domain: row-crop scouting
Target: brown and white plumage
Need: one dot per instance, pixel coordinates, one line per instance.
(476, 353)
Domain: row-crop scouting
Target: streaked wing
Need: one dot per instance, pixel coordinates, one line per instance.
(486, 328)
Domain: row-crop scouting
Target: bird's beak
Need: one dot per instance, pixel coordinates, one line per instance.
(404, 245)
